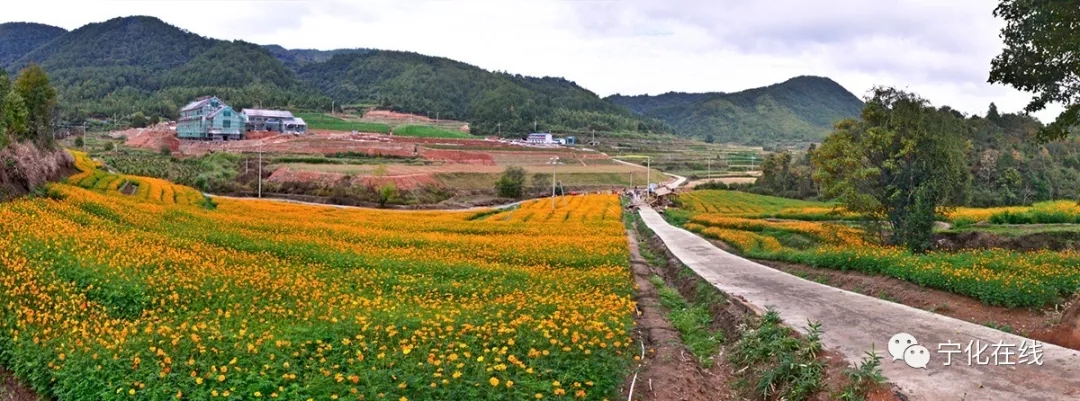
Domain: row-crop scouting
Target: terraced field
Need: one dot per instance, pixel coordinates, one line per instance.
(152, 296)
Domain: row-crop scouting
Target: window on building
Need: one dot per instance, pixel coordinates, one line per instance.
(227, 113)
(226, 124)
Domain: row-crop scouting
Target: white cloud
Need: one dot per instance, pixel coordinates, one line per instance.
(940, 49)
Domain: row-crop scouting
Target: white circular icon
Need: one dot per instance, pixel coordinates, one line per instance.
(917, 356)
(899, 343)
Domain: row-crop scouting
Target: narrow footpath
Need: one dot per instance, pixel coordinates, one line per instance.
(853, 323)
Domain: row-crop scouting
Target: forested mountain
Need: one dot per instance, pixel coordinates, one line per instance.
(130, 64)
(800, 109)
(19, 38)
(125, 65)
(294, 58)
(421, 84)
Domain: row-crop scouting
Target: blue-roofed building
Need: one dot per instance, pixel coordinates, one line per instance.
(208, 118)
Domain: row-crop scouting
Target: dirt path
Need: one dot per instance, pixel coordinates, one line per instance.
(12, 390)
(667, 371)
(853, 323)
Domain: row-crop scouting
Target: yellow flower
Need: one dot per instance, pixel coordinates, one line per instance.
(494, 382)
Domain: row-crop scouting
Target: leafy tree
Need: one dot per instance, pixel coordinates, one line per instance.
(776, 173)
(139, 120)
(901, 161)
(1041, 39)
(709, 138)
(511, 183)
(992, 114)
(40, 97)
(15, 117)
(387, 193)
(79, 142)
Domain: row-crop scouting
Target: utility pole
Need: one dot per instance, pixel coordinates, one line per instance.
(331, 106)
(594, 136)
(648, 175)
(500, 128)
(554, 166)
(260, 169)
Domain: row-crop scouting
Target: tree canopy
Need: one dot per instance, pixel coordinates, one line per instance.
(900, 161)
(40, 98)
(511, 183)
(1041, 40)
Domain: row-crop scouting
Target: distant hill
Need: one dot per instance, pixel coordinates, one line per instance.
(440, 87)
(19, 38)
(800, 109)
(129, 64)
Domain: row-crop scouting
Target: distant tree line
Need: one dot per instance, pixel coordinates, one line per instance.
(1004, 165)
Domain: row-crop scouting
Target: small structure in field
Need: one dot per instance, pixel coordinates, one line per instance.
(274, 120)
(540, 138)
(208, 118)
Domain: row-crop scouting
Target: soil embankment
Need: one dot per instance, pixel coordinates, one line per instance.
(1047, 240)
(24, 167)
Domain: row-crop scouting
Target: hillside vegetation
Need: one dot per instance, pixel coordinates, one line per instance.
(797, 110)
(19, 38)
(115, 68)
(141, 64)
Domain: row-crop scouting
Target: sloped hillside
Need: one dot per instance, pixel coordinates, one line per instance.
(800, 109)
(19, 38)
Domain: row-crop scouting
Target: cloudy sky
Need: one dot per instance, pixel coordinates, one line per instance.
(939, 49)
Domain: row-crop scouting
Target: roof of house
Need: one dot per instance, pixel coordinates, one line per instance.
(197, 104)
(268, 113)
(298, 121)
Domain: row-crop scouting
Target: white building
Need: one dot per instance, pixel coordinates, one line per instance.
(540, 137)
(273, 120)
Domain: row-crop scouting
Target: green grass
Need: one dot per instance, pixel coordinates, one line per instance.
(423, 131)
(324, 122)
(693, 321)
(743, 203)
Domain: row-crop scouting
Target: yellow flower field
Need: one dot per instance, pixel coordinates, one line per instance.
(997, 277)
(155, 296)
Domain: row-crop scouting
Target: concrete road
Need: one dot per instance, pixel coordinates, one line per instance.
(852, 323)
